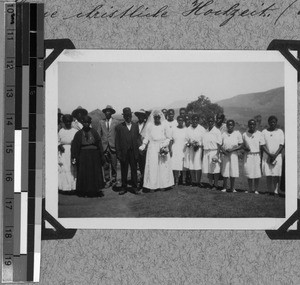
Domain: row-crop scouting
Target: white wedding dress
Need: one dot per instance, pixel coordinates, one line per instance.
(158, 170)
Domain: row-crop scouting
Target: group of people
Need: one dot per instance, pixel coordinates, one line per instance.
(165, 151)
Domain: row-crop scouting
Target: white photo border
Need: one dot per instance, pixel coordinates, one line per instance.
(51, 105)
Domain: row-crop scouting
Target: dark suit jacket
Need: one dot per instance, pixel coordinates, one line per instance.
(108, 137)
(126, 139)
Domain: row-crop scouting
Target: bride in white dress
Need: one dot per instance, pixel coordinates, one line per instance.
(158, 169)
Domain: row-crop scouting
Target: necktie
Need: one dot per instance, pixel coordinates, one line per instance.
(107, 125)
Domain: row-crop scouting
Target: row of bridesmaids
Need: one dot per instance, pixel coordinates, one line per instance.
(215, 151)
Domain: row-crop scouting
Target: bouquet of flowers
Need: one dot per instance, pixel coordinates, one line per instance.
(195, 145)
(163, 151)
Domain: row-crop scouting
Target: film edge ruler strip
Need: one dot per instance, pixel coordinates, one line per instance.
(8, 142)
(23, 140)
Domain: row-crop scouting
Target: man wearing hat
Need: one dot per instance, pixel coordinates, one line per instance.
(78, 114)
(142, 117)
(127, 134)
(107, 132)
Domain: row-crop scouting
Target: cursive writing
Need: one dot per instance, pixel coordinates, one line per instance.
(205, 9)
(195, 8)
(141, 11)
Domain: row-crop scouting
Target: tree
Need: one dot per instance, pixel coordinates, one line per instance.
(204, 107)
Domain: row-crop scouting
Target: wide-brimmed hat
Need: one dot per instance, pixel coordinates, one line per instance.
(78, 111)
(127, 111)
(141, 112)
(109, 107)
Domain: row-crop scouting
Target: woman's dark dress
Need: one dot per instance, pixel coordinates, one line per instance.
(87, 149)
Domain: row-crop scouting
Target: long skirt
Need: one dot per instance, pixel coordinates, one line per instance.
(158, 170)
(89, 173)
(66, 171)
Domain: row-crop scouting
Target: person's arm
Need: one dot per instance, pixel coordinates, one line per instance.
(168, 134)
(272, 156)
(75, 147)
(244, 146)
(100, 131)
(145, 141)
(281, 144)
(61, 148)
(239, 146)
(99, 146)
(222, 149)
(219, 149)
(280, 149)
(118, 143)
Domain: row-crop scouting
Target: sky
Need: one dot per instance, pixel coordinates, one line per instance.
(148, 84)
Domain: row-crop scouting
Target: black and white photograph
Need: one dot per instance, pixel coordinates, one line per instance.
(171, 139)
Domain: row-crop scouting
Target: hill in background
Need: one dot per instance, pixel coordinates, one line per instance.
(240, 108)
(243, 107)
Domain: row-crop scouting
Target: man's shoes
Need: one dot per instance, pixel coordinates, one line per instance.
(123, 191)
(107, 184)
(135, 190)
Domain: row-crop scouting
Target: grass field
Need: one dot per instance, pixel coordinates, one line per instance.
(180, 201)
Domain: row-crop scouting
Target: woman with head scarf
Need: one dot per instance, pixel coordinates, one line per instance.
(87, 155)
(66, 171)
(272, 157)
(158, 169)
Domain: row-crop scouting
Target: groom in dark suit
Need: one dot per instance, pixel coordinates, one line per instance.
(127, 134)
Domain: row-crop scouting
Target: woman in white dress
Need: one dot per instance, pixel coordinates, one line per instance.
(194, 138)
(158, 169)
(272, 158)
(66, 171)
(253, 140)
(231, 143)
(178, 149)
(212, 141)
(186, 178)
